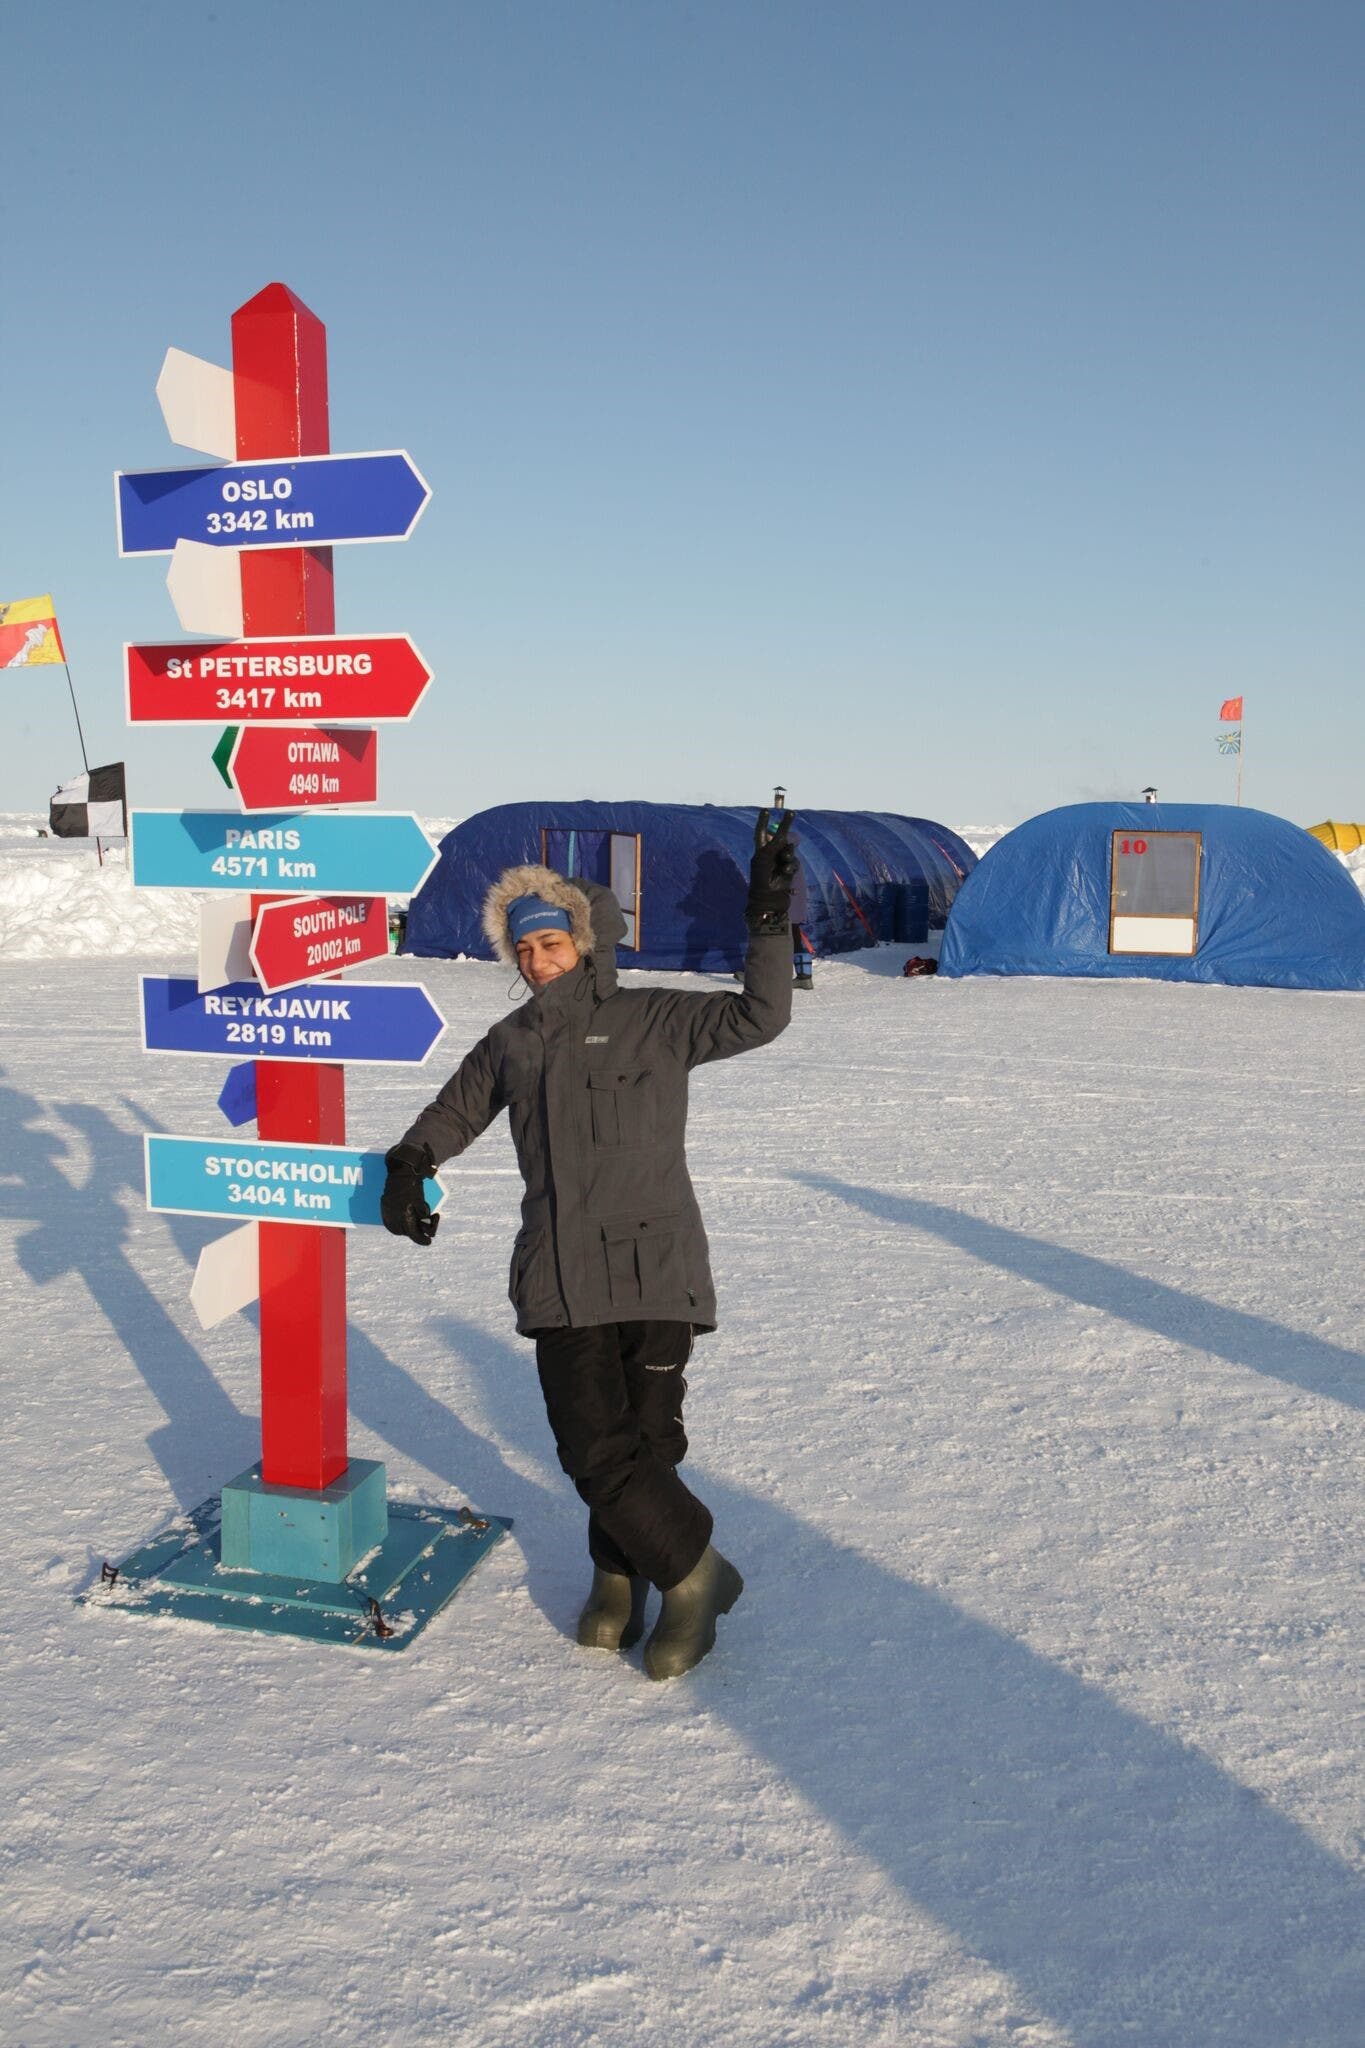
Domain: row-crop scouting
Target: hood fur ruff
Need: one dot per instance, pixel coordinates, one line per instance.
(551, 888)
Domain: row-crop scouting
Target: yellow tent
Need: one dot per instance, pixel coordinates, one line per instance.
(1341, 838)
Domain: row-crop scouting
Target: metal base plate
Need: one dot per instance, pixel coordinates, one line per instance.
(427, 1555)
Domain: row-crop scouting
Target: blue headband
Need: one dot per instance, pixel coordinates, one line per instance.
(534, 914)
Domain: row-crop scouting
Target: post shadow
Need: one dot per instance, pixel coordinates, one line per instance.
(83, 1231)
(1253, 1341)
(206, 1437)
(1131, 1889)
(409, 1418)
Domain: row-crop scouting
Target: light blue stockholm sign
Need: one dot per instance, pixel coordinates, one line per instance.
(304, 500)
(267, 1183)
(303, 853)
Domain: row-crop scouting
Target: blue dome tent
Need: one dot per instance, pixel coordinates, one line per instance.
(684, 869)
(1168, 892)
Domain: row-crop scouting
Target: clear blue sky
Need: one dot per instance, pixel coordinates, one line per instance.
(939, 407)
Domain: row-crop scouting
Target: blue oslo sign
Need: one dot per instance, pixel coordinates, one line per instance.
(307, 501)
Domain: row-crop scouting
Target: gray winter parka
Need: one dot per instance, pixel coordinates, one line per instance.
(594, 1080)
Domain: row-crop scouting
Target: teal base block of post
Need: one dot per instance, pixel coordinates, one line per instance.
(421, 1564)
(297, 1531)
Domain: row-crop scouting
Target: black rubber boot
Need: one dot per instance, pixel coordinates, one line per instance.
(686, 1629)
(614, 1617)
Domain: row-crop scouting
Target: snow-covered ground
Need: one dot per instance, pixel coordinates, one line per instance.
(1033, 1421)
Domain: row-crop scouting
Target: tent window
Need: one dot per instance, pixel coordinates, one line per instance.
(1154, 892)
(611, 858)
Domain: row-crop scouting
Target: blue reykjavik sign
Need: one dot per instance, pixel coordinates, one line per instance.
(364, 1022)
(308, 501)
(305, 853)
(249, 1181)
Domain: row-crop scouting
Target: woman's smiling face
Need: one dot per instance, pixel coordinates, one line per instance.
(544, 956)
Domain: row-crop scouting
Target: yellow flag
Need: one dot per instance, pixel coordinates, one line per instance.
(28, 633)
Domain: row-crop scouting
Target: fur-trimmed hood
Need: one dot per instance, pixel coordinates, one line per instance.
(551, 888)
(595, 920)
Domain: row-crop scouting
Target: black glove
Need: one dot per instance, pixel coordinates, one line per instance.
(772, 877)
(403, 1206)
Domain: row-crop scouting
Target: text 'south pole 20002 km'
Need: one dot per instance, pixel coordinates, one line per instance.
(305, 1542)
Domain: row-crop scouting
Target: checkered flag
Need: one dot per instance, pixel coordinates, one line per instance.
(94, 806)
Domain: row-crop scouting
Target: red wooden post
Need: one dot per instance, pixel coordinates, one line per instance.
(279, 366)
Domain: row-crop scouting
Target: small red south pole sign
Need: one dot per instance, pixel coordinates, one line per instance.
(299, 938)
(277, 767)
(375, 680)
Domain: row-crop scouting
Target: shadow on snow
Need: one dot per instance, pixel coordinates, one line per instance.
(1130, 1888)
(83, 1230)
(1254, 1342)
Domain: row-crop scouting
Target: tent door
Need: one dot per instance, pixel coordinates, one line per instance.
(1154, 892)
(625, 883)
(611, 858)
(912, 912)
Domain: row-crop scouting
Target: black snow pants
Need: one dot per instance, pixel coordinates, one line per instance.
(614, 1396)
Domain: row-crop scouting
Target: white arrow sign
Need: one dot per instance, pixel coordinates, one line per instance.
(205, 586)
(224, 942)
(198, 404)
(228, 1276)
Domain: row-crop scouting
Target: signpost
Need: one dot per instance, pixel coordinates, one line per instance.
(275, 765)
(205, 586)
(237, 1096)
(198, 403)
(311, 501)
(225, 924)
(365, 1023)
(374, 679)
(237, 1177)
(297, 941)
(279, 373)
(336, 852)
(227, 1277)
(304, 1542)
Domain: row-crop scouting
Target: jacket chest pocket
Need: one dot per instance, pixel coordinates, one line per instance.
(645, 1262)
(622, 1109)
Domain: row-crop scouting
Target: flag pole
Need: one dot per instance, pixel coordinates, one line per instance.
(85, 758)
(1241, 749)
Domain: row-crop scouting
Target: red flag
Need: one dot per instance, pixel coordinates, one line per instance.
(1232, 708)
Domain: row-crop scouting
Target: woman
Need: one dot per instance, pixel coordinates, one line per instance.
(610, 1271)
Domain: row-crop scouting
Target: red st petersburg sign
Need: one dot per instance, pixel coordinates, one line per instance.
(376, 679)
